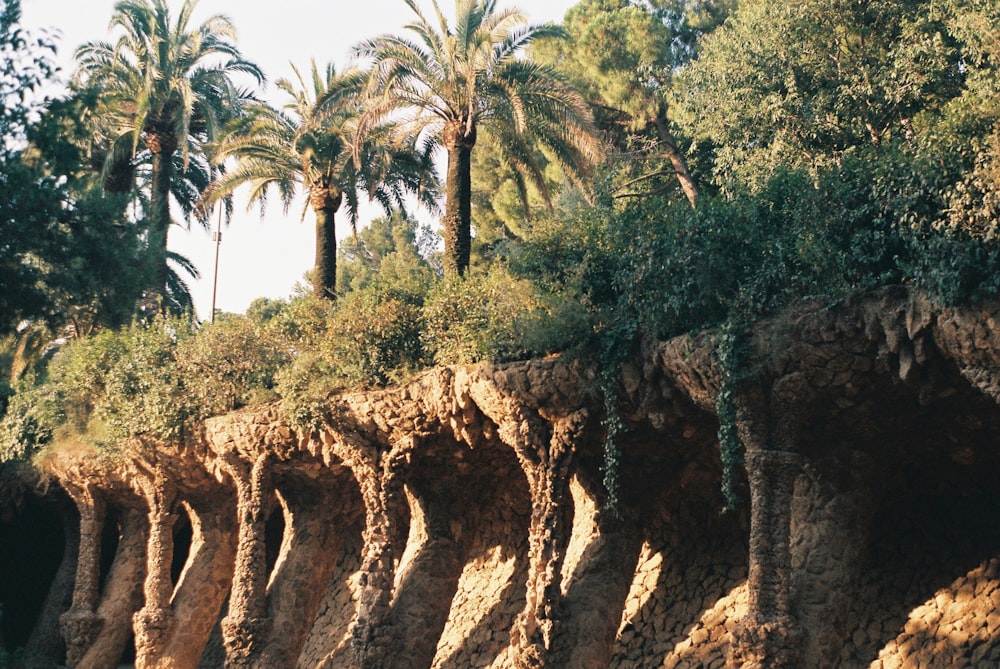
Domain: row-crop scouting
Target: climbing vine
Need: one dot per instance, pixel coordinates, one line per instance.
(733, 353)
(613, 426)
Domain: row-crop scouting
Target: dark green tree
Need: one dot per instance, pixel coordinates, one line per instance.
(623, 56)
(25, 63)
(801, 84)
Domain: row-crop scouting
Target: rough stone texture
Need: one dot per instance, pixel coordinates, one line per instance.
(461, 521)
(328, 643)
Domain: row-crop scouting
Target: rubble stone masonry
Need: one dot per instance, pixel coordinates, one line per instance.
(460, 521)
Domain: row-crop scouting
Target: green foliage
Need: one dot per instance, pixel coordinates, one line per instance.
(27, 423)
(371, 337)
(733, 355)
(236, 361)
(798, 84)
(149, 380)
(390, 251)
(8, 659)
(375, 336)
(624, 57)
(66, 255)
(26, 61)
(496, 317)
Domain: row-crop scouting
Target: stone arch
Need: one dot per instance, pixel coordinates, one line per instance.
(38, 549)
(315, 502)
(493, 518)
(929, 568)
(461, 574)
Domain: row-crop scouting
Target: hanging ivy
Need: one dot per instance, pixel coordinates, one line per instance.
(733, 354)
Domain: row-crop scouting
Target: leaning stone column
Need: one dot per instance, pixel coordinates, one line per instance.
(244, 628)
(121, 595)
(547, 467)
(597, 589)
(46, 646)
(153, 622)
(382, 493)
(81, 624)
(768, 637)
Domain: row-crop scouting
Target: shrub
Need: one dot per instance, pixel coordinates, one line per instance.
(28, 423)
(371, 337)
(147, 380)
(231, 364)
(374, 337)
(497, 317)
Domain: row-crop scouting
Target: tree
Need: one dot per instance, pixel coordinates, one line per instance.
(163, 86)
(25, 63)
(81, 257)
(391, 250)
(803, 83)
(314, 143)
(66, 253)
(622, 55)
(470, 83)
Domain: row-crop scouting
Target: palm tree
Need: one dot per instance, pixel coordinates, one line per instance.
(473, 82)
(167, 88)
(313, 143)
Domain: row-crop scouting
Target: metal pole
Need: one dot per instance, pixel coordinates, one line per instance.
(217, 238)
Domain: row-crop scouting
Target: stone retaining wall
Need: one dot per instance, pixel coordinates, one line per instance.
(462, 521)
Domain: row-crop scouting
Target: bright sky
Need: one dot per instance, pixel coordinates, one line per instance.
(261, 257)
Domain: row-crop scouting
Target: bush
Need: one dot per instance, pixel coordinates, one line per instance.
(497, 317)
(369, 338)
(28, 423)
(147, 380)
(374, 337)
(231, 364)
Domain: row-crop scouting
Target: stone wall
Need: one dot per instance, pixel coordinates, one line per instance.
(462, 521)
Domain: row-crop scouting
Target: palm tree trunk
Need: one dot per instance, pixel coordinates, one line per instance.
(162, 148)
(458, 199)
(677, 160)
(325, 202)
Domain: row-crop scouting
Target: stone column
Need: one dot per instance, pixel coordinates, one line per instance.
(121, 595)
(81, 624)
(245, 626)
(153, 622)
(302, 573)
(429, 570)
(769, 636)
(383, 537)
(547, 467)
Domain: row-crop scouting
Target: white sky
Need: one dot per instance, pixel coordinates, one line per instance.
(261, 257)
